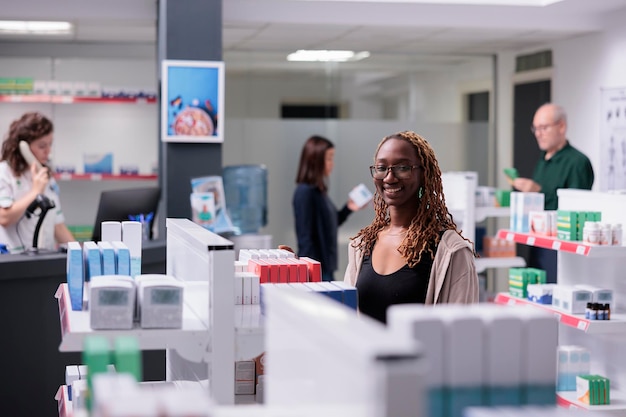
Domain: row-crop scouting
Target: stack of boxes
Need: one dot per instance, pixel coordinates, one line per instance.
(482, 355)
(571, 224)
(521, 205)
(520, 278)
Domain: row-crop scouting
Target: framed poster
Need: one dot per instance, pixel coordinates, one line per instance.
(192, 101)
(613, 140)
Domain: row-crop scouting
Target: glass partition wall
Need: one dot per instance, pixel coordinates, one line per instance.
(365, 102)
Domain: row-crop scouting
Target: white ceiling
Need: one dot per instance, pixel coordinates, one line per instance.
(260, 33)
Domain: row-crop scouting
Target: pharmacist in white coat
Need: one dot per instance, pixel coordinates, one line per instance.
(27, 190)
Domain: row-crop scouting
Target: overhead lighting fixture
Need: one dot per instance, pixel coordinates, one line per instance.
(532, 3)
(326, 56)
(25, 27)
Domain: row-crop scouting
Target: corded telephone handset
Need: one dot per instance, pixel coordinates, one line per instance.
(42, 202)
(28, 154)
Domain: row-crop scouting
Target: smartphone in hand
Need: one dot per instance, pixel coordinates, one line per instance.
(511, 173)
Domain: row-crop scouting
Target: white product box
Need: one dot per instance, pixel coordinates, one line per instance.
(571, 299)
(112, 303)
(539, 344)
(160, 301)
(361, 195)
(132, 234)
(539, 223)
(241, 266)
(525, 203)
(111, 231)
(598, 295)
(502, 336)
(572, 361)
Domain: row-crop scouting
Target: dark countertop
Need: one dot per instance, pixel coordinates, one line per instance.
(30, 362)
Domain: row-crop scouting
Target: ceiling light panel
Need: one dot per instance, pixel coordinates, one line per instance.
(25, 27)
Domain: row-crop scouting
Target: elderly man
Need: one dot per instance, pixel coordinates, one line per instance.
(560, 166)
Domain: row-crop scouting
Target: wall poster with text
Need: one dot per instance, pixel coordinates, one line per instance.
(192, 101)
(613, 140)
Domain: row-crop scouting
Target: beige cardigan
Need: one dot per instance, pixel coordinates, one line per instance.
(453, 277)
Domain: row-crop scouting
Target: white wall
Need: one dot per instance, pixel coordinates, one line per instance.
(582, 67)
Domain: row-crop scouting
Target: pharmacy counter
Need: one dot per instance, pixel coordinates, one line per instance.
(30, 362)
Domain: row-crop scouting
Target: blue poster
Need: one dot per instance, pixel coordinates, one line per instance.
(192, 101)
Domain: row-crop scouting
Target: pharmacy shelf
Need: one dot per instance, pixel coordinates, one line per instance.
(64, 404)
(249, 328)
(44, 98)
(494, 262)
(104, 177)
(575, 247)
(568, 399)
(617, 324)
(75, 328)
(482, 213)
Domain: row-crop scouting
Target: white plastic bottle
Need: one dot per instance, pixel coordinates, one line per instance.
(616, 234)
(591, 233)
(606, 237)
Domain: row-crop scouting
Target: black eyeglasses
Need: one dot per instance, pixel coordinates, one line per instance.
(401, 172)
(541, 128)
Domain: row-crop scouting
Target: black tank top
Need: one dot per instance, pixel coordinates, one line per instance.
(377, 292)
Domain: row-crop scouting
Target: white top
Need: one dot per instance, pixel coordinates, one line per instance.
(19, 236)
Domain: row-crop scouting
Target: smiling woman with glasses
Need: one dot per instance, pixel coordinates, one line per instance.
(412, 251)
(399, 171)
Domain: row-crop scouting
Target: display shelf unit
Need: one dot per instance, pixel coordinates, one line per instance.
(54, 99)
(215, 332)
(602, 266)
(485, 263)
(483, 213)
(576, 247)
(460, 191)
(105, 177)
(248, 323)
(75, 328)
(567, 399)
(617, 324)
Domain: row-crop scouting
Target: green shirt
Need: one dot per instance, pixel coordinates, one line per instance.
(568, 168)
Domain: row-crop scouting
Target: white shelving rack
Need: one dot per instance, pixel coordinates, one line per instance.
(603, 266)
(215, 332)
(460, 191)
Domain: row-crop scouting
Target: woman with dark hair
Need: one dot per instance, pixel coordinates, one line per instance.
(25, 187)
(412, 251)
(317, 219)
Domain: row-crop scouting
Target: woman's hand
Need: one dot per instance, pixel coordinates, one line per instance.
(287, 248)
(40, 176)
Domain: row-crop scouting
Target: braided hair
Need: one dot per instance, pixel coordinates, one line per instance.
(431, 218)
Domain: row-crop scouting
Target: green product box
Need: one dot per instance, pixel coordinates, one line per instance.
(23, 85)
(538, 276)
(127, 356)
(583, 216)
(96, 356)
(566, 224)
(503, 197)
(515, 292)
